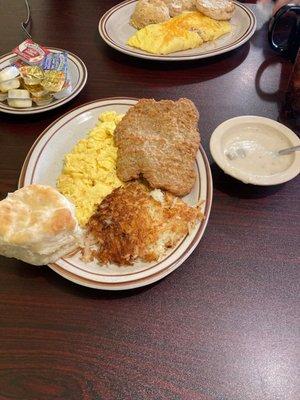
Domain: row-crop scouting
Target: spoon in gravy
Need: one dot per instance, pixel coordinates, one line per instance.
(242, 152)
(289, 150)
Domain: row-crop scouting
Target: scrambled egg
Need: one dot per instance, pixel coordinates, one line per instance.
(186, 31)
(89, 172)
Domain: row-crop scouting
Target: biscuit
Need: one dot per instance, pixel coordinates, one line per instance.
(37, 225)
(216, 9)
(148, 12)
(176, 7)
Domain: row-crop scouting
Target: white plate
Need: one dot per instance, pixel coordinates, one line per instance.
(115, 30)
(78, 77)
(43, 165)
(260, 125)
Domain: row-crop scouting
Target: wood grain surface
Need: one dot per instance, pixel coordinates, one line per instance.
(225, 325)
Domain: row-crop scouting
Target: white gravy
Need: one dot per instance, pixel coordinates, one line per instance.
(256, 151)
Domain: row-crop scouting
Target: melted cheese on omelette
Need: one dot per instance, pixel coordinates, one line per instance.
(186, 31)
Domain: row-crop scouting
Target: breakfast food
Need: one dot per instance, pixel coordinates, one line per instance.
(42, 73)
(159, 140)
(186, 31)
(134, 223)
(148, 12)
(89, 171)
(176, 7)
(216, 9)
(38, 225)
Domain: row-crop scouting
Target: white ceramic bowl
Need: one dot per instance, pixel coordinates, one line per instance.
(260, 125)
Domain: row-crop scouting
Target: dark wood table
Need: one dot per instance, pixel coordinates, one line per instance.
(224, 325)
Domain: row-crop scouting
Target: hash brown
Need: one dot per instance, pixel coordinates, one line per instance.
(134, 222)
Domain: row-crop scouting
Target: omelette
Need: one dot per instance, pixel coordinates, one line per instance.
(186, 31)
(89, 170)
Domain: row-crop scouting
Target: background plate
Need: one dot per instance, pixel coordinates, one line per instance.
(115, 30)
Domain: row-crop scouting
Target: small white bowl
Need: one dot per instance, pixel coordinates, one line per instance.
(225, 133)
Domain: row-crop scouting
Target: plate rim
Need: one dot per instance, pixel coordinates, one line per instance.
(140, 281)
(82, 82)
(144, 55)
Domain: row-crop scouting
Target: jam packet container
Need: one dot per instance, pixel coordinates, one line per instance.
(43, 100)
(36, 90)
(31, 52)
(53, 81)
(55, 66)
(31, 74)
(55, 61)
(64, 92)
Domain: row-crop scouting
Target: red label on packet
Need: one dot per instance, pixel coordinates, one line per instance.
(31, 52)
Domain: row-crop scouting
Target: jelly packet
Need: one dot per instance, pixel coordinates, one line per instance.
(55, 66)
(53, 80)
(30, 52)
(57, 61)
(65, 91)
(31, 74)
